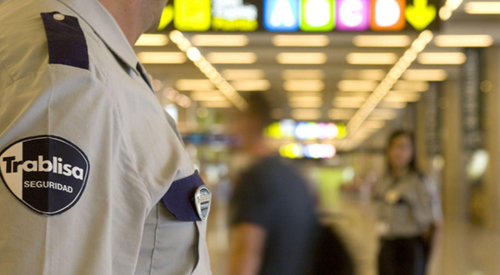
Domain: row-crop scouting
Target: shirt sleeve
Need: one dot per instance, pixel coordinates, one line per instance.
(422, 208)
(251, 202)
(69, 201)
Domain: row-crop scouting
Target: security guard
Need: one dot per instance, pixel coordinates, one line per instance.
(408, 210)
(95, 179)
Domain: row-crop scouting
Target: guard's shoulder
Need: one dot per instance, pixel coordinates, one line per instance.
(35, 35)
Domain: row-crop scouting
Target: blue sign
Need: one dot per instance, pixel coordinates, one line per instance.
(281, 15)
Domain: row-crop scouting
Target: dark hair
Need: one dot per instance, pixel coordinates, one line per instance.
(413, 161)
(258, 107)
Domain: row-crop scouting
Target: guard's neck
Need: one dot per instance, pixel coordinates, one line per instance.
(127, 15)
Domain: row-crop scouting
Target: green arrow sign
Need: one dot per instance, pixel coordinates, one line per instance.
(420, 15)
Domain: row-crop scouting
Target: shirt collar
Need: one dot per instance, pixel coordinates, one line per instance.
(105, 26)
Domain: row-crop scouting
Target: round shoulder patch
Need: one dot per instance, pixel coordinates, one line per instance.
(46, 173)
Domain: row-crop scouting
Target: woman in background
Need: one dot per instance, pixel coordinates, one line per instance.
(408, 210)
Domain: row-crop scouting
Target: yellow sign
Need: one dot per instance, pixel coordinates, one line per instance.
(192, 15)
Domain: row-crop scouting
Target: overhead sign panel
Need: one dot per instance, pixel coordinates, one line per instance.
(300, 15)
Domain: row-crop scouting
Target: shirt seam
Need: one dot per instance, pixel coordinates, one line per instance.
(7, 70)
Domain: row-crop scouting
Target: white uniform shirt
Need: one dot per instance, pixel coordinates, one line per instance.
(95, 178)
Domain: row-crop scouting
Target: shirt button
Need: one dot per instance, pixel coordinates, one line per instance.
(59, 17)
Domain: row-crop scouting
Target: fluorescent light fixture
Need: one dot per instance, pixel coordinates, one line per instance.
(301, 58)
(306, 114)
(216, 104)
(210, 95)
(425, 75)
(347, 104)
(382, 41)
(482, 7)
(193, 84)
(420, 86)
(232, 57)
(242, 74)
(372, 124)
(357, 85)
(303, 74)
(161, 57)
(152, 40)
(392, 105)
(304, 85)
(466, 41)
(364, 74)
(301, 40)
(349, 99)
(222, 40)
(305, 98)
(402, 97)
(305, 104)
(251, 85)
(443, 58)
(371, 58)
(340, 114)
(383, 114)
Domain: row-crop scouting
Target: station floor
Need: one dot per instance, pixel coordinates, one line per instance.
(465, 249)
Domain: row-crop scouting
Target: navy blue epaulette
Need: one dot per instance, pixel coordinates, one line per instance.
(66, 40)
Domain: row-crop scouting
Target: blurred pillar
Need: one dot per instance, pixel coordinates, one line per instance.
(492, 136)
(454, 189)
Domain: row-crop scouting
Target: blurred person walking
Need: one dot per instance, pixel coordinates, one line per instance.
(408, 210)
(272, 212)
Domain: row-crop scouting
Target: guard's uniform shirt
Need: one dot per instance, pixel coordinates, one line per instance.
(95, 179)
(406, 206)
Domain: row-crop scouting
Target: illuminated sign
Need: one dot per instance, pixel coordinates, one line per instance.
(353, 15)
(318, 15)
(289, 129)
(234, 15)
(387, 15)
(300, 15)
(313, 151)
(420, 15)
(192, 15)
(281, 15)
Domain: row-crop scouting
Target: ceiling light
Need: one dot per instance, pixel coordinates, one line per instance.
(371, 58)
(232, 58)
(382, 41)
(243, 74)
(301, 40)
(425, 75)
(466, 41)
(420, 86)
(347, 104)
(350, 98)
(193, 84)
(402, 97)
(303, 74)
(251, 85)
(444, 58)
(161, 57)
(383, 114)
(482, 7)
(152, 40)
(364, 74)
(305, 98)
(357, 85)
(215, 40)
(372, 124)
(340, 114)
(301, 58)
(392, 105)
(306, 114)
(216, 104)
(305, 104)
(304, 85)
(210, 95)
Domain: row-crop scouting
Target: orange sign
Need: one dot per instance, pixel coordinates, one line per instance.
(387, 15)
